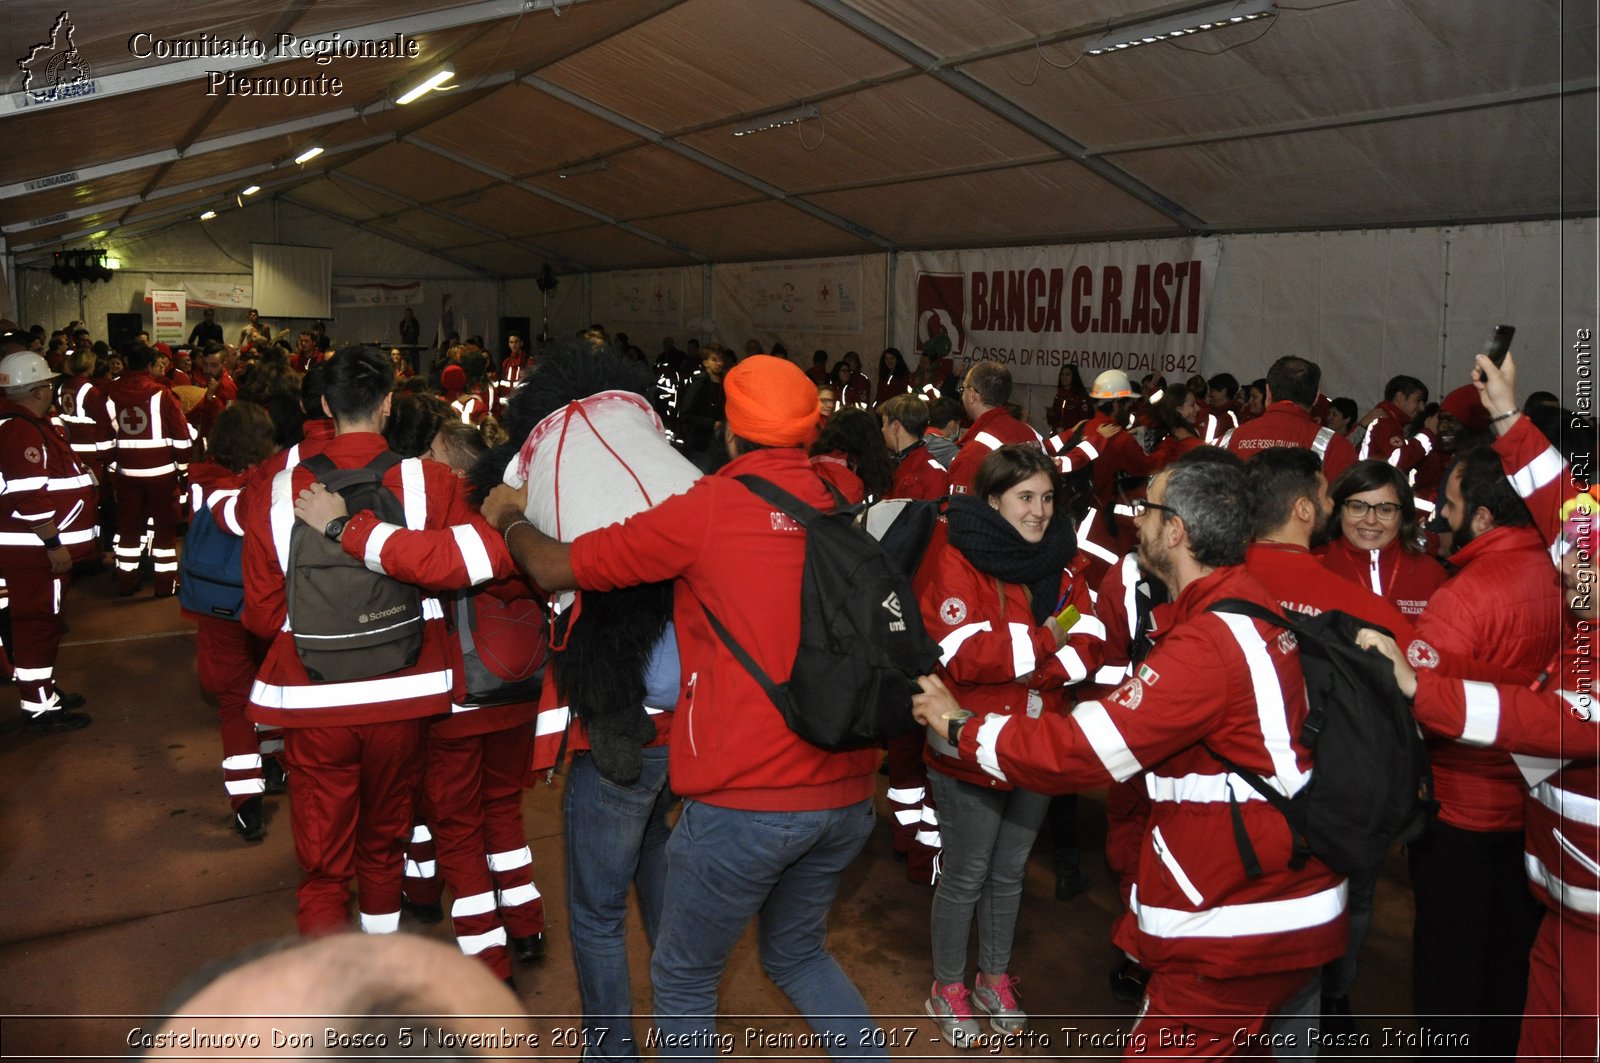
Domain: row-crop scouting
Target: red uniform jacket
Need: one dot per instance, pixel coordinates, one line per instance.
(1541, 477)
(473, 406)
(86, 421)
(152, 438)
(735, 554)
(856, 392)
(283, 695)
(918, 475)
(510, 375)
(1216, 422)
(899, 384)
(1235, 684)
(1403, 579)
(992, 655)
(1560, 719)
(1171, 449)
(450, 559)
(1067, 409)
(1120, 453)
(1386, 433)
(1300, 582)
(1502, 611)
(1557, 718)
(993, 430)
(1283, 424)
(44, 491)
(933, 383)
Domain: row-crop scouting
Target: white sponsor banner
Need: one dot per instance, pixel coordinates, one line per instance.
(219, 293)
(819, 297)
(648, 297)
(375, 294)
(169, 309)
(1138, 306)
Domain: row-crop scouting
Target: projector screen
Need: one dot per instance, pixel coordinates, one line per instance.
(293, 282)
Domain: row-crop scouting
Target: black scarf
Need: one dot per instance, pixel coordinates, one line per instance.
(997, 549)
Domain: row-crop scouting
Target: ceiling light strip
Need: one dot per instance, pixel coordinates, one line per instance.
(1215, 17)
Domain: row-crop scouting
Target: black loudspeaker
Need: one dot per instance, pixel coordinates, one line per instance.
(122, 328)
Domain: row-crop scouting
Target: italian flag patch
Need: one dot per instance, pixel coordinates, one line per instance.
(1147, 675)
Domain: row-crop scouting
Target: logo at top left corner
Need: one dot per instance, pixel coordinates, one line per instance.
(54, 69)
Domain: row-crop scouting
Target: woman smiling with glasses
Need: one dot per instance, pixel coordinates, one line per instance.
(1379, 544)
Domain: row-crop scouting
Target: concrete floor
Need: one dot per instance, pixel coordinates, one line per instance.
(119, 875)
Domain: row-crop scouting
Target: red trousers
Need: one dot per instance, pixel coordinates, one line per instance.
(472, 815)
(916, 821)
(147, 504)
(350, 805)
(35, 635)
(1189, 1015)
(227, 658)
(1559, 1021)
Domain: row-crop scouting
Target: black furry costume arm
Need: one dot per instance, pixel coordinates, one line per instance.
(600, 657)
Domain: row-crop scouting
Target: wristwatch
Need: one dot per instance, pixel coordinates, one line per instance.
(953, 733)
(335, 527)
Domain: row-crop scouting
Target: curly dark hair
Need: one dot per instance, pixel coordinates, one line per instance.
(856, 434)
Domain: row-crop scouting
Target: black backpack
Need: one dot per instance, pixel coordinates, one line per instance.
(1370, 784)
(1077, 487)
(904, 528)
(349, 622)
(862, 642)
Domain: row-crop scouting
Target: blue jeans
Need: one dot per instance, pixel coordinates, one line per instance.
(726, 866)
(616, 836)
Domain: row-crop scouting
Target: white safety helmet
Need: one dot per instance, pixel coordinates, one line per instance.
(24, 369)
(1112, 384)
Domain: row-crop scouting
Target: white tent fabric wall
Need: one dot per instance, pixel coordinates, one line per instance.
(1365, 305)
(1369, 305)
(734, 310)
(220, 248)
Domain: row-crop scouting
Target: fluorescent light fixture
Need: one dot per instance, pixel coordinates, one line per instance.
(598, 166)
(208, 215)
(1207, 18)
(782, 118)
(251, 190)
(307, 155)
(428, 84)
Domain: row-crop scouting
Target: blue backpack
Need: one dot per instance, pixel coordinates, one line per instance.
(211, 571)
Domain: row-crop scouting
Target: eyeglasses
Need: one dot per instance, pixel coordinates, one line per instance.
(1382, 510)
(1142, 507)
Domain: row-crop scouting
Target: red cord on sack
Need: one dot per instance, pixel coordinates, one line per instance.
(561, 442)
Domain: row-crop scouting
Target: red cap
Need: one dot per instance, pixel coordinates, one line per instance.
(1464, 405)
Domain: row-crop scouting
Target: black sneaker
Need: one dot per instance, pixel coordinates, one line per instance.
(1070, 881)
(426, 914)
(276, 778)
(70, 701)
(528, 949)
(55, 720)
(247, 820)
(1128, 980)
(1336, 1017)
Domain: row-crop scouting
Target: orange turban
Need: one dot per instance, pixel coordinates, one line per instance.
(771, 401)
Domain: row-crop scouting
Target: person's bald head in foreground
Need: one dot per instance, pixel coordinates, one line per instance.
(365, 988)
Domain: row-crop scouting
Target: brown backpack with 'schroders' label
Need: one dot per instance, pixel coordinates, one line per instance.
(349, 622)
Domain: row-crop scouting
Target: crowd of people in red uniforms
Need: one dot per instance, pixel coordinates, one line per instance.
(1405, 518)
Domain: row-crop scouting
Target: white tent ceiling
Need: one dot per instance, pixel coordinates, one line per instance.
(943, 123)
